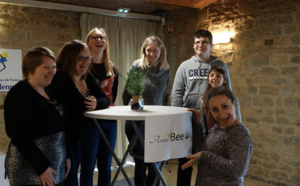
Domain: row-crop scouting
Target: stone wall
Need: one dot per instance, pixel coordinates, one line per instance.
(264, 62)
(24, 28)
(265, 78)
(179, 44)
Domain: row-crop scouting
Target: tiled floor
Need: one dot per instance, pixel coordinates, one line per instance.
(170, 172)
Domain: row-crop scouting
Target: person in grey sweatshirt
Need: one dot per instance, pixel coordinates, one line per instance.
(190, 84)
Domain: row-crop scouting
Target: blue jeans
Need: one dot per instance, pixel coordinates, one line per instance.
(140, 177)
(74, 153)
(94, 148)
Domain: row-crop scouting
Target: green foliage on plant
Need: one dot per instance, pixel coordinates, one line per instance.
(135, 82)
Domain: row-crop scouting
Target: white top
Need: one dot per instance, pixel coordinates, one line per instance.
(125, 112)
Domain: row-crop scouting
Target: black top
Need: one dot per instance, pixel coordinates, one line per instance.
(99, 72)
(28, 116)
(66, 92)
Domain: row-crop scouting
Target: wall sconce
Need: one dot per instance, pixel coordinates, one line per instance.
(123, 10)
(222, 35)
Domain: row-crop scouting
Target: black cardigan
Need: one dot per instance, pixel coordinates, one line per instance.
(66, 92)
(29, 116)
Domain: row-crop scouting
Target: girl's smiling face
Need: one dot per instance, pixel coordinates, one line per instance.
(216, 79)
(152, 53)
(43, 74)
(97, 41)
(83, 62)
(223, 110)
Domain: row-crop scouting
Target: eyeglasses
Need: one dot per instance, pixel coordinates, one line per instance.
(199, 43)
(101, 38)
(82, 58)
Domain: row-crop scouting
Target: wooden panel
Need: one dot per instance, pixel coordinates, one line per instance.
(152, 7)
(199, 4)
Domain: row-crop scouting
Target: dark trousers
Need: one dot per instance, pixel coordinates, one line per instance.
(184, 176)
(104, 156)
(74, 154)
(140, 177)
(93, 148)
(90, 148)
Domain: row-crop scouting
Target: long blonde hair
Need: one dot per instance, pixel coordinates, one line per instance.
(163, 55)
(109, 66)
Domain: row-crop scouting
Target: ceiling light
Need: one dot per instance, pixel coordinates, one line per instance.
(123, 10)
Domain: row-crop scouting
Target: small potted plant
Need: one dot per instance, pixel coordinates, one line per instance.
(135, 87)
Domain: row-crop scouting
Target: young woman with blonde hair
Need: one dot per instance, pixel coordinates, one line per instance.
(106, 75)
(154, 65)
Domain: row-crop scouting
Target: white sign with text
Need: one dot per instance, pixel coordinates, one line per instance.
(168, 137)
(10, 68)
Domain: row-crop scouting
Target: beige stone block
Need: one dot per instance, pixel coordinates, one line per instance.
(277, 130)
(270, 165)
(279, 60)
(282, 120)
(258, 172)
(290, 50)
(262, 80)
(275, 156)
(252, 90)
(259, 62)
(263, 101)
(295, 59)
(280, 112)
(295, 179)
(245, 100)
(279, 81)
(279, 102)
(296, 39)
(269, 112)
(292, 102)
(268, 119)
(280, 176)
(268, 90)
(276, 31)
(290, 29)
(290, 131)
(251, 119)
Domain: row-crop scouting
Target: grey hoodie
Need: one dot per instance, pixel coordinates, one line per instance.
(190, 81)
(156, 85)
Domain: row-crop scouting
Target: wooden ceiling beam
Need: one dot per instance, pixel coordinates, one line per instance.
(199, 4)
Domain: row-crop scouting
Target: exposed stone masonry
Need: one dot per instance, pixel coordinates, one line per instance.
(24, 28)
(265, 77)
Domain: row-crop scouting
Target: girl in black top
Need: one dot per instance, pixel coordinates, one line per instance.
(106, 75)
(78, 90)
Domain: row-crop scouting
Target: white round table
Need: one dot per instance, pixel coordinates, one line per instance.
(125, 113)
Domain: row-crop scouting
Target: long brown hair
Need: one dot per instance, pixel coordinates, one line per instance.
(221, 90)
(68, 55)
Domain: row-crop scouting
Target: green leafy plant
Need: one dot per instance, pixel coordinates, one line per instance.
(135, 82)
